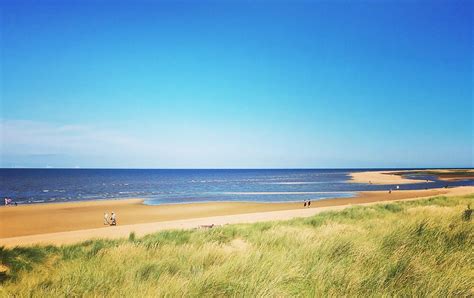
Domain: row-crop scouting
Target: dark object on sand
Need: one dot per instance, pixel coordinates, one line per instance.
(304, 205)
(207, 226)
(309, 203)
(113, 219)
(466, 215)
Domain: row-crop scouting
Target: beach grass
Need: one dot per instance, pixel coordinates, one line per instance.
(411, 248)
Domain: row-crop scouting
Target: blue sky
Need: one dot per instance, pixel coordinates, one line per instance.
(236, 84)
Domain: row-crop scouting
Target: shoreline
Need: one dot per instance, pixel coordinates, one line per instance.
(62, 223)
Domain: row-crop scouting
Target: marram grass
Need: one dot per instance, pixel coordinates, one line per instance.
(415, 248)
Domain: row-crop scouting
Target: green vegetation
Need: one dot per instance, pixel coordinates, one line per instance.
(441, 174)
(414, 248)
(451, 174)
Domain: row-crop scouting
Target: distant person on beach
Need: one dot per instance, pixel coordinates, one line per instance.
(8, 201)
(106, 218)
(304, 205)
(113, 220)
(309, 203)
(390, 191)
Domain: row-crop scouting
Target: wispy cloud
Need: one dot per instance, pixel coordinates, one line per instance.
(26, 143)
(33, 137)
(39, 142)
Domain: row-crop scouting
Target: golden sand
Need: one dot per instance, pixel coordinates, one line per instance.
(381, 177)
(72, 222)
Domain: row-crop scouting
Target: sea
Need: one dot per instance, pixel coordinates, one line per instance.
(174, 186)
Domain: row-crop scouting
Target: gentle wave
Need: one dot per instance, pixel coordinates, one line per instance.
(296, 182)
(284, 193)
(167, 186)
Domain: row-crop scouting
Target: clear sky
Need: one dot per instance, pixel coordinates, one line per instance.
(236, 84)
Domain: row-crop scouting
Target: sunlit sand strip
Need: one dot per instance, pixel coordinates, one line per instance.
(381, 177)
(143, 229)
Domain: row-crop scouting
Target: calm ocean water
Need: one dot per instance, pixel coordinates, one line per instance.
(182, 186)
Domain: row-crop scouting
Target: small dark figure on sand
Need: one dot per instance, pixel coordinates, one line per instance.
(390, 191)
(113, 219)
(304, 203)
(309, 203)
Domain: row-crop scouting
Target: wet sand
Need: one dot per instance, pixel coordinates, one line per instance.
(451, 175)
(72, 222)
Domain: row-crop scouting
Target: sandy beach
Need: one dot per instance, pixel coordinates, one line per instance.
(381, 177)
(63, 223)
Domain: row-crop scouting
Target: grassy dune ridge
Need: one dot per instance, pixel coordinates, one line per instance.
(418, 247)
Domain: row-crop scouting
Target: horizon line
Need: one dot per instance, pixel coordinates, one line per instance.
(237, 168)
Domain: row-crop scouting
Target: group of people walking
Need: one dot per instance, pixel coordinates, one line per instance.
(9, 201)
(112, 220)
(307, 203)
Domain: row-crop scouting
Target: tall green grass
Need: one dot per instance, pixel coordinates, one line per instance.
(415, 248)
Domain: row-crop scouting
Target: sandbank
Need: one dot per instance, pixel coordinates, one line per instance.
(381, 177)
